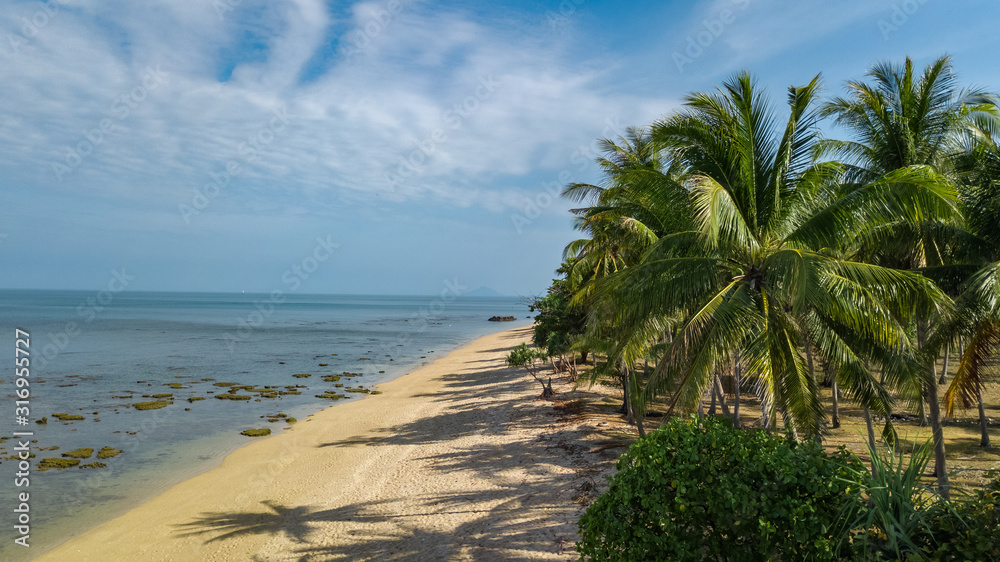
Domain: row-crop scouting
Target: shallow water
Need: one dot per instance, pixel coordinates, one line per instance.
(88, 358)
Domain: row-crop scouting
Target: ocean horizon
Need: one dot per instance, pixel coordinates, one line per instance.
(95, 355)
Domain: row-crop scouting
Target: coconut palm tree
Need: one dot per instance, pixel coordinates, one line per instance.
(904, 122)
(761, 270)
(976, 320)
(638, 201)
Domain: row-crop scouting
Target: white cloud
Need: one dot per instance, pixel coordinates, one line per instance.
(346, 127)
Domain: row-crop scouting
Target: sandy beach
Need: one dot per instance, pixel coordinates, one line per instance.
(458, 460)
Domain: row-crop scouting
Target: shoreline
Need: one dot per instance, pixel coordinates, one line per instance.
(452, 460)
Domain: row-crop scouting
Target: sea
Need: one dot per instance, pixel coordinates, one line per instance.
(95, 355)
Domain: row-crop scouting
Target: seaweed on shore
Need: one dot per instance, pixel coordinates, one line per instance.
(232, 397)
(81, 453)
(195, 398)
(108, 452)
(152, 405)
(57, 463)
(256, 432)
(67, 417)
(94, 464)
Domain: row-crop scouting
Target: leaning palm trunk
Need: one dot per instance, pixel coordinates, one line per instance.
(871, 437)
(721, 395)
(944, 368)
(930, 389)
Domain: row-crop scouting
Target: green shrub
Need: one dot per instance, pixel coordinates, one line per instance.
(702, 490)
(970, 530)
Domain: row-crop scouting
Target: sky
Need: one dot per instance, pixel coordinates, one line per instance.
(387, 147)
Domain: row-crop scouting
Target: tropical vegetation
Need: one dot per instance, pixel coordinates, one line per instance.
(733, 241)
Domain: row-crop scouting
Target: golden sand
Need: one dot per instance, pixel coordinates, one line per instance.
(458, 460)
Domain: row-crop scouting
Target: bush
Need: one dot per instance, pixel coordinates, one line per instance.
(970, 530)
(700, 489)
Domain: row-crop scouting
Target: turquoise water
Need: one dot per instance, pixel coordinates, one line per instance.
(93, 354)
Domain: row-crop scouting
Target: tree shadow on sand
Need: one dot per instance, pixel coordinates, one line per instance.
(529, 494)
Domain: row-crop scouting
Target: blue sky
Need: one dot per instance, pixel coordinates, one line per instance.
(211, 145)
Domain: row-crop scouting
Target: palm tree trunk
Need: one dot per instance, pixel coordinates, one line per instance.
(922, 409)
(871, 436)
(722, 395)
(764, 413)
(983, 425)
(835, 422)
(737, 380)
(934, 405)
(711, 409)
(944, 369)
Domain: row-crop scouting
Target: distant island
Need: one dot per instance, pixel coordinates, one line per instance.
(483, 292)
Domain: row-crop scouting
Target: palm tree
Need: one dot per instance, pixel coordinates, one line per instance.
(637, 203)
(902, 122)
(977, 315)
(760, 272)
